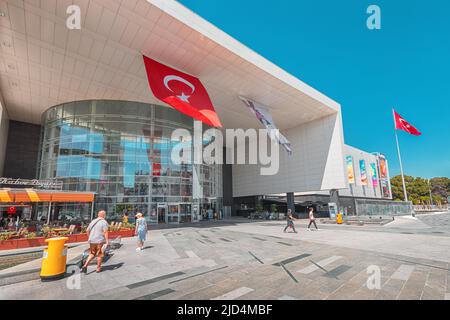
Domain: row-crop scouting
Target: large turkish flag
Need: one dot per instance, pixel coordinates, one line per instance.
(402, 124)
(182, 91)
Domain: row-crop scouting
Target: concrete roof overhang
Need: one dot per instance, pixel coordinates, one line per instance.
(43, 63)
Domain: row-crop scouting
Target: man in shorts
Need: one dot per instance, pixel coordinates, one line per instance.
(98, 235)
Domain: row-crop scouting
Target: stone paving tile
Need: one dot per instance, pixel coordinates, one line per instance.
(204, 293)
(111, 294)
(390, 290)
(447, 279)
(435, 287)
(155, 295)
(437, 279)
(430, 293)
(345, 292)
(428, 280)
(364, 293)
(412, 290)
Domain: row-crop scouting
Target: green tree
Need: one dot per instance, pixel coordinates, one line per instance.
(440, 188)
(259, 207)
(273, 208)
(419, 189)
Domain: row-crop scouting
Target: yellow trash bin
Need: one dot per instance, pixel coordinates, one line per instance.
(339, 218)
(54, 259)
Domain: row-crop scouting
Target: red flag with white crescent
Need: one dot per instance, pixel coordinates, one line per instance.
(402, 124)
(181, 91)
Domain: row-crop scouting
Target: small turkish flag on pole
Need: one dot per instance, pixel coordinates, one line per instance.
(402, 124)
(181, 91)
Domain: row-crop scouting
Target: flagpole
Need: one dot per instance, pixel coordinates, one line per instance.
(400, 159)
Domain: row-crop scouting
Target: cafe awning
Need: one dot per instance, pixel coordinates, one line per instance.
(33, 195)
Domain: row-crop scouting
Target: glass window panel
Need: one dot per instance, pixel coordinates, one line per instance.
(114, 148)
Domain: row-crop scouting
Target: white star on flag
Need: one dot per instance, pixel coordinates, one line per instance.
(184, 97)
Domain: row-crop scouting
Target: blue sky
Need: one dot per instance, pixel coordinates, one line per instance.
(326, 44)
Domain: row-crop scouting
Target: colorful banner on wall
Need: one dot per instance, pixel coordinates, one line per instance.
(363, 172)
(383, 168)
(384, 177)
(264, 116)
(373, 174)
(350, 170)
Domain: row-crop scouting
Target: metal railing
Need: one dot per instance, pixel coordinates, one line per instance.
(366, 207)
(431, 208)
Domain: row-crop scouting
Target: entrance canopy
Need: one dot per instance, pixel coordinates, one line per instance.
(33, 195)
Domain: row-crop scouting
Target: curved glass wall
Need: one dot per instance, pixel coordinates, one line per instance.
(121, 151)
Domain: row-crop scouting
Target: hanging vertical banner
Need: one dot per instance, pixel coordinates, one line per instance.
(384, 177)
(350, 170)
(373, 173)
(264, 116)
(383, 168)
(363, 172)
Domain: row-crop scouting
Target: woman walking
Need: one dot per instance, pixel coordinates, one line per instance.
(140, 231)
(312, 219)
(290, 221)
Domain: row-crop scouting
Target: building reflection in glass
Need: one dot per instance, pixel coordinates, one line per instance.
(121, 151)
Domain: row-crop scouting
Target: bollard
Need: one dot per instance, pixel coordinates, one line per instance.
(54, 259)
(339, 218)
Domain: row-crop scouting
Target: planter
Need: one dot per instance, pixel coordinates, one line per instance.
(32, 242)
(124, 233)
(40, 241)
(8, 244)
(80, 237)
(22, 243)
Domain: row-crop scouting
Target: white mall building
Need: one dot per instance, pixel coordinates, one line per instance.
(76, 107)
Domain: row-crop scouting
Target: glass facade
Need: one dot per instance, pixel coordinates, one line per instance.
(121, 151)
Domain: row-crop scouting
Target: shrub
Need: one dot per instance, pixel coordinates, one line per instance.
(4, 236)
(30, 235)
(127, 225)
(273, 208)
(259, 208)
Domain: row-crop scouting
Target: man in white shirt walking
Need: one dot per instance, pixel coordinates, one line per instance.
(98, 235)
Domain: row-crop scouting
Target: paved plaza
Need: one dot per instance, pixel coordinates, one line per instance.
(256, 260)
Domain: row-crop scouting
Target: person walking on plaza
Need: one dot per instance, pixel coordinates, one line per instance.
(97, 236)
(290, 221)
(125, 218)
(311, 219)
(140, 231)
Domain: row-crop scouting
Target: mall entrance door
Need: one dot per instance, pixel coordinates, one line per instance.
(173, 212)
(161, 210)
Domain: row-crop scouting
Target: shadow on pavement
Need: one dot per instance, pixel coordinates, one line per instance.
(112, 266)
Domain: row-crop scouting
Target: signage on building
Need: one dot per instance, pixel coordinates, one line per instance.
(350, 170)
(363, 172)
(42, 184)
(373, 173)
(12, 210)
